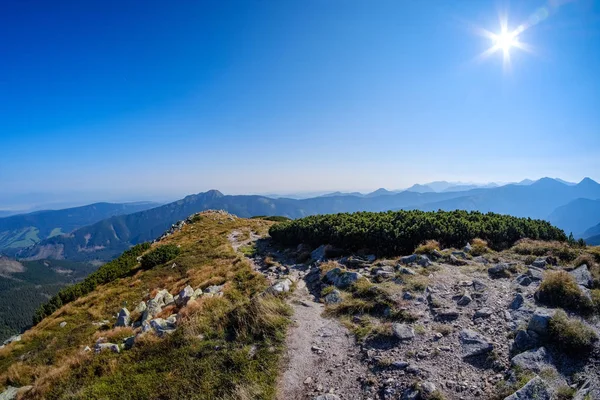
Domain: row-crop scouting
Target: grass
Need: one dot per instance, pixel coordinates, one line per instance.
(225, 347)
(564, 393)
(540, 248)
(249, 250)
(504, 389)
(479, 247)
(428, 247)
(559, 289)
(571, 334)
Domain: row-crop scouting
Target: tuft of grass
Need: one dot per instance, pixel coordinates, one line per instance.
(571, 334)
(444, 329)
(428, 247)
(479, 247)
(564, 393)
(586, 259)
(249, 250)
(559, 289)
(540, 248)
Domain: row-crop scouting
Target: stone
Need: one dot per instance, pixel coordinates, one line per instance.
(428, 387)
(532, 360)
(467, 248)
(152, 309)
(63, 324)
(436, 254)
(141, 307)
(465, 299)
(517, 302)
(399, 365)
(403, 332)
(460, 254)
(478, 285)
(13, 393)
(162, 326)
(341, 279)
(583, 276)
(499, 270)
(453, 260)
(524, 280)
(282, 286)
(333, 297)
(318, 254)
(124, 318)
(540, 322)
(447, 315)
(159, 298)
(540, 262)
(15, 338)
(408, 296)
(100, 347)
(128, 342)
(214, 289)
(535, 274)
(423, 261)
(525, 340)
(473, 344)
(384, 274)
(535, 389)
(483, 313)
(408, 259)
(406, 271)
(481, 260)
(185, 295)
(411, 394)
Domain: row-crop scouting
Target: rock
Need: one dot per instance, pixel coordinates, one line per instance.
(403, 332)
(399, 365)
(524, 280)
(282, 286)
(152, 309)
(460, 254)
(168, 299)
(408, 296)
(63, 324)
(15, 338)
(215, 289)
(473, 344)
(478, 285)
(453, 260)
(535, 389)
(583, 276)
(12, 393)
(517, 302)
(535, 274)
(140, 308)
(328, 396)
(123, 319)
(318, 254)
(384, 274)
(341, 279)
(162, 326)
(467, 248)
(447, 315)
(159, 298)
(483, 313)
(128, 342)
(408, 259)
(423, 261)
(540, 321)
(186, 294)
(107, 346)
(465, 299)
(406, 271)
(532, 360)
(428, 387)
(333, 297)
(525, 340)
(540, 262)
(500, 270)
(436, 254)
(411, 394)
(434, 300)
(481, 260)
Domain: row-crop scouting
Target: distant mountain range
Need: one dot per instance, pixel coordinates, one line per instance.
(545, 199)
(24, 230)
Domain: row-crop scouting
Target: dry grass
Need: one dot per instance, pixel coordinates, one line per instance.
(540, 248)
(559, 289)
(479, 247)
(571, 334)
(428, 247)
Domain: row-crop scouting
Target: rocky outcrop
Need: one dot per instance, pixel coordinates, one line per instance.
(474, 344)
(535, 389)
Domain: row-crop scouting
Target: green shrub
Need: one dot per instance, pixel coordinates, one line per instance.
(274, 218)
(559, 289)
(400, 232)
(160, 255)
(115, 269)
(571, 334)
(564, 393)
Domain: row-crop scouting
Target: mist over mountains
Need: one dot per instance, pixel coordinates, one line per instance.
(572, 207)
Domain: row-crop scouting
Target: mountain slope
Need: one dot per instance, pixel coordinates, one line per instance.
(577, 216)
(24, 230)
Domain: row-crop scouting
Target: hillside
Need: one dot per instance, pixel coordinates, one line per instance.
(24, 230)
(208, 313)
(577, 216)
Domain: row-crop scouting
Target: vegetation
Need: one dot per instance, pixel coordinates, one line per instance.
(571, 334)
(159, 255)
(115, 269)
(560, 249)
(400, 232)
(428, 247)
(559, 289)
(273, 218)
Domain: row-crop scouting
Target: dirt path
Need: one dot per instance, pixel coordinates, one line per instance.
(322, 356)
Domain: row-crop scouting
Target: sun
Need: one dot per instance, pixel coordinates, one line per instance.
(505, 40)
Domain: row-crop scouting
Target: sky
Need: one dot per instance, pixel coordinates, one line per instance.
(150, 100)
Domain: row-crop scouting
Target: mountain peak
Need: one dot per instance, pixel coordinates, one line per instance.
(587, 182)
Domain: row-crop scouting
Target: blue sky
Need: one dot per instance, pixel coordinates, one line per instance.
(144, 99)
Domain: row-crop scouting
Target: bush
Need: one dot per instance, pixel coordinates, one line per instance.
(160, 255)
(274, 218)
(559, 289)
(428, 247)
(479, 247)
(571, 334)
(400, 232)
(115, 269)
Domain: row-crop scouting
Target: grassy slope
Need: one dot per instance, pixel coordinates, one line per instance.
(225, 347)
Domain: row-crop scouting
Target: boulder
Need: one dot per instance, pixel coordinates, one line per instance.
(124, 318)
(160, 297)
(540, 322)
(318, 254)
(423, 261)
(341, 279)
(517, 302)
(453, 260)
(467, 248)
(186, 294)
(535, 274)
(428, 387)
(282, 286)
(333, 297)
(500, 270)
(482, 313)
(399, 365)
(140, 307)
(436, 254)
(128, 342)
(162, 326)
(411, 394)
(447, 315)
(478, 285)
(403, 332)
(535, 389)
(465, 299)
(473, 344)
(532, 360)
(525, 340)
(214, 289)
(328, 396)
(583, 276)
(524, 280)
(460, 254)
(408, 259)
(406, 271)
(540, 262)
(481, 260)
(100, 347)
(152, 309)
